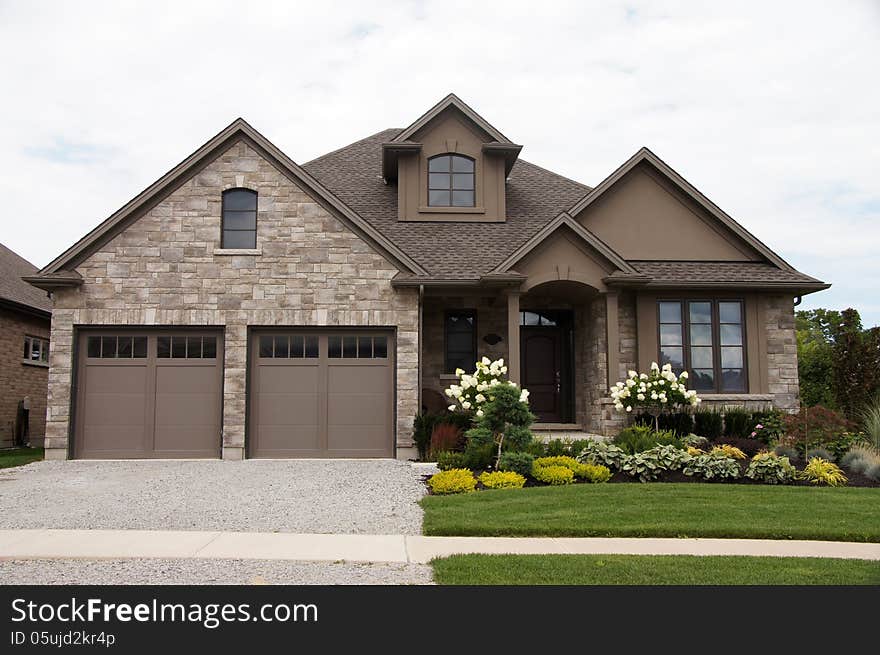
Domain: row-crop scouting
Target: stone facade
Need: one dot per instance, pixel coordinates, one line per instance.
(20, 380)
(165, 269)
(782, 362)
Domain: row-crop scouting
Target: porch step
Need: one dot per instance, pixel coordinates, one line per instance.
(572, 431)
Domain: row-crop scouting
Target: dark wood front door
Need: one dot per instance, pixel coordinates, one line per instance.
(542, 371)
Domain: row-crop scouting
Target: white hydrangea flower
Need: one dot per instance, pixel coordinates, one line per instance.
(524, 396)
(480, 398)
(643, 376)
(485, 361)
(451, 408)
(654, 366)
(632, 374)
(629, 408)
(459, 372)
(480, 412)
(684, 374)
(641, 396)
(465, 404)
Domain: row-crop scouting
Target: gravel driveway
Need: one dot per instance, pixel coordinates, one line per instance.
(314, 496)
(208, 572)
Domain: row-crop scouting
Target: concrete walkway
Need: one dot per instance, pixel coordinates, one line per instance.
(119, 544)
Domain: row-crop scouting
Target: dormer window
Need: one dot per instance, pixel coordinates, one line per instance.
(450, 181)
(239, 219)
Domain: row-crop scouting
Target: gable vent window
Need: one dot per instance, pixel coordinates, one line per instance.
(450, 181)
(239, 219)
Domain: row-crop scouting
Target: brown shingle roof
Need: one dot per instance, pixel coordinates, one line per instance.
(721, 272)
(535, 196)
(13, 288)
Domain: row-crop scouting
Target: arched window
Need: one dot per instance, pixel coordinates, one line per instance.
(450, 181)
(239, 219)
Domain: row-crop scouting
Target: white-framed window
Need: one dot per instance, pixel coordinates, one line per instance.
(36, 350)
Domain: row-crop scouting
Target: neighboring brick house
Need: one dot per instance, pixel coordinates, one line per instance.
(25, 314)
(245, 306)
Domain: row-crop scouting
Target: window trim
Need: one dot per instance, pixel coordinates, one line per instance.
(447, 370)
(716, 338)
(451, 189)
(45, 348)
(224, 229)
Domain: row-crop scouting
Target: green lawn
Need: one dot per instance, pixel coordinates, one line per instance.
(660, 510)
(651, 570)
(19, 457)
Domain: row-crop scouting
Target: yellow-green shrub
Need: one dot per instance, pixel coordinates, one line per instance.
(559, 460)
(453, 481)
(821, 471)
(502, 480)
(593, 473)
(554, 475)
(693, 451)
(730, 451)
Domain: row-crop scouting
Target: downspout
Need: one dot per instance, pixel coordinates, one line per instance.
(421, 304)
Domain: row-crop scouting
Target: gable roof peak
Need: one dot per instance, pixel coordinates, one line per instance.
(452, 101)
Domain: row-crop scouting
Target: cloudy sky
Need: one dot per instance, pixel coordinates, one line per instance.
(772, 109)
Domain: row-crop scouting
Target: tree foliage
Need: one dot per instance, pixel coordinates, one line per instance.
(838, 360)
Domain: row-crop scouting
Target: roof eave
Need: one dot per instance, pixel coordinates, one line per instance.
(800, 288)
(53, 281)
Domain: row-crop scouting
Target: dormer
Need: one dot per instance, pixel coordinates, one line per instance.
(450, 165)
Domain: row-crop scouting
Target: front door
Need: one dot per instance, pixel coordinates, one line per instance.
(544, 371)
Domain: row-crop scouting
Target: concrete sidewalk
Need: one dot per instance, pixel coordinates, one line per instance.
(116, 544)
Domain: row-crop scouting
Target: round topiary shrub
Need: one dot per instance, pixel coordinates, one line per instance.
(453, 481)
(516, 461)
(502, 480)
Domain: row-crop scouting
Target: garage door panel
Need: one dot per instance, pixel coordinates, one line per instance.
(147, 407)
(364, 442)
(335, 404)
(184, 441)
(357, 409)
(280, 439)
(291, 379)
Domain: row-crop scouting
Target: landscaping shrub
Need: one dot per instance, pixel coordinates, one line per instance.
(750, 447)
(681, 423)
(768, 425)
(769, 468)
(695, 440)
(518, 462)
(556, 447)
(786, 451)
(535, 448)
(729, 451)
(712, 466)
(502, 480)
(693, 451)
(859, 459)
(445, 437)
(708, 423)
(650, 464)
(594, 473)
(503, 419)
(577, 446)
(448, 459)
(873, 472)
(825, 428)
(558, 460)
(601, 452)
(821, 453)
(869, 418)
(822, 472)
(737, 423)
(479, 456)
(423, 426)
(639, 438)
(453, 481)
(554, 475)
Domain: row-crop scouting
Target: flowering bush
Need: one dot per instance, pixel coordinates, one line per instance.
(655, 391)
(470, 394)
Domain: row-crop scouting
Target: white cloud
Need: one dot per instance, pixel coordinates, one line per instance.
(768, 108)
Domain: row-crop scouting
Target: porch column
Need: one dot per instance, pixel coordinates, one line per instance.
(612, 336)
(513, 336)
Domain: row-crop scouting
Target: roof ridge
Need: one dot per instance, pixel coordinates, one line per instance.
(559, 175)
(353, 143)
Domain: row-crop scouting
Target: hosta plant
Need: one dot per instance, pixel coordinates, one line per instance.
(650, 464)
(822, 472)
(453, 481)
(712, 466)
(602, 452)
(770, 468)
(502, 480)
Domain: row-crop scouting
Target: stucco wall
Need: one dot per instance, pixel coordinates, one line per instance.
(163, 270)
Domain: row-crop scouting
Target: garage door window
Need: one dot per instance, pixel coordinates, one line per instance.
(186, 347)
(289, 346)
(117, 347)
(351, 347)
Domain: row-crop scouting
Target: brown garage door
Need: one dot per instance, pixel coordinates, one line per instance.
(320, 394)
(148, 395)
